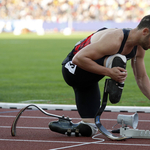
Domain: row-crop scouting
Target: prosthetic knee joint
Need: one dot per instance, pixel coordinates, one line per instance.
(115, 88)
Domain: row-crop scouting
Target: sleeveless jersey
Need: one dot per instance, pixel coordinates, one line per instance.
(79, 45)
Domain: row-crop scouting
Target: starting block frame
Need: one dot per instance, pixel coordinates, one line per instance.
(134, 133)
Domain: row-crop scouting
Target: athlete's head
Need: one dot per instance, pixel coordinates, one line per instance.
(144, 25)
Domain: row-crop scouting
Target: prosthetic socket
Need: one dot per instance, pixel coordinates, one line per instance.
(115, 88)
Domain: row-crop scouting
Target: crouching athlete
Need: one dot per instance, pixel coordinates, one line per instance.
(103, 53)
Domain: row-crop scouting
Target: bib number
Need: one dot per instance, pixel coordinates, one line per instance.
(71, 67)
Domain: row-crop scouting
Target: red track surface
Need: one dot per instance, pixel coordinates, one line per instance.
(33, 133)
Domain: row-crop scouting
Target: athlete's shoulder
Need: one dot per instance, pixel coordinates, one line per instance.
(113, 32)
(116, 32)
(113, 35)
(107, 34)
(117, 36)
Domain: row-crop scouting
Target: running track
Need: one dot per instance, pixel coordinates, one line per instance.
(33, 132)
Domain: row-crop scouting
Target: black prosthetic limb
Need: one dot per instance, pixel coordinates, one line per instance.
(69, 128)
(14, 124)
(64, 125)
(115, 88)
(100, 127)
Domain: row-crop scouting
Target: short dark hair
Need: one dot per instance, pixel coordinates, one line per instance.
(144, 23)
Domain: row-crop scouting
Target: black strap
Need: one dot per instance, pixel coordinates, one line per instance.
(126, 33)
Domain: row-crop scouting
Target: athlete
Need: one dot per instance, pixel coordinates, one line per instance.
(92, 58)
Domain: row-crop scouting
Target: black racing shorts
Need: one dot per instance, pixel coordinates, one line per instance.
(86, 88)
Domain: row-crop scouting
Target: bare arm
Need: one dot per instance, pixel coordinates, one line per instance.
(140, 74)
(108, 44)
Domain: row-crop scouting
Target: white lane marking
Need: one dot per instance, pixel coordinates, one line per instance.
(36, 128)
(32, 117)
(75, 142)
(40, 141)
(36, 117)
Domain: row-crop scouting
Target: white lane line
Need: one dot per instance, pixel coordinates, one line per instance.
(33, 117)
(122, 144)
(73, 107)
(36, 128)
(75, 142)
(36, 117)
(41, 141)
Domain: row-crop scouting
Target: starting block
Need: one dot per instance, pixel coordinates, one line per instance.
(134, 133)
(131, 120)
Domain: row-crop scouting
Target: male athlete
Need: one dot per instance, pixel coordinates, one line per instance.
(93, 58)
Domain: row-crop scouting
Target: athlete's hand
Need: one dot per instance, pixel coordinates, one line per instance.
(118, 74)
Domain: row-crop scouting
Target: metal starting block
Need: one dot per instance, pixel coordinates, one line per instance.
(134, 133)
(131, 120)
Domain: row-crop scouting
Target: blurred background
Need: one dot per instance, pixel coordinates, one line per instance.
(43, 16)
(30, 65)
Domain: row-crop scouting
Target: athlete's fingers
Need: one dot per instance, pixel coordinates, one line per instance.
(123, 74)
(122, 69)
(118, 74)
(123, 78)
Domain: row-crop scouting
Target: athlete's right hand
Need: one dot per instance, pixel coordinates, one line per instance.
(118, 74)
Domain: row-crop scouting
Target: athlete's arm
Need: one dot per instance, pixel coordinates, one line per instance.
(140, 74)
(108, 44)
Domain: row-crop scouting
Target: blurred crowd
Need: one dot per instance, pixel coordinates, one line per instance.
(74, 10)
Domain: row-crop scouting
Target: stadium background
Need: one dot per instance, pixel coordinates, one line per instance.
(31, 64)
(79, 15)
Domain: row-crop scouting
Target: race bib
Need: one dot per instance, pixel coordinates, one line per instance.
(71, 67)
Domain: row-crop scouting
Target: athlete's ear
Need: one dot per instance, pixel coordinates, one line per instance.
(145, 31)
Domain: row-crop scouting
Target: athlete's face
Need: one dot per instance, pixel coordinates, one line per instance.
(146, 42)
